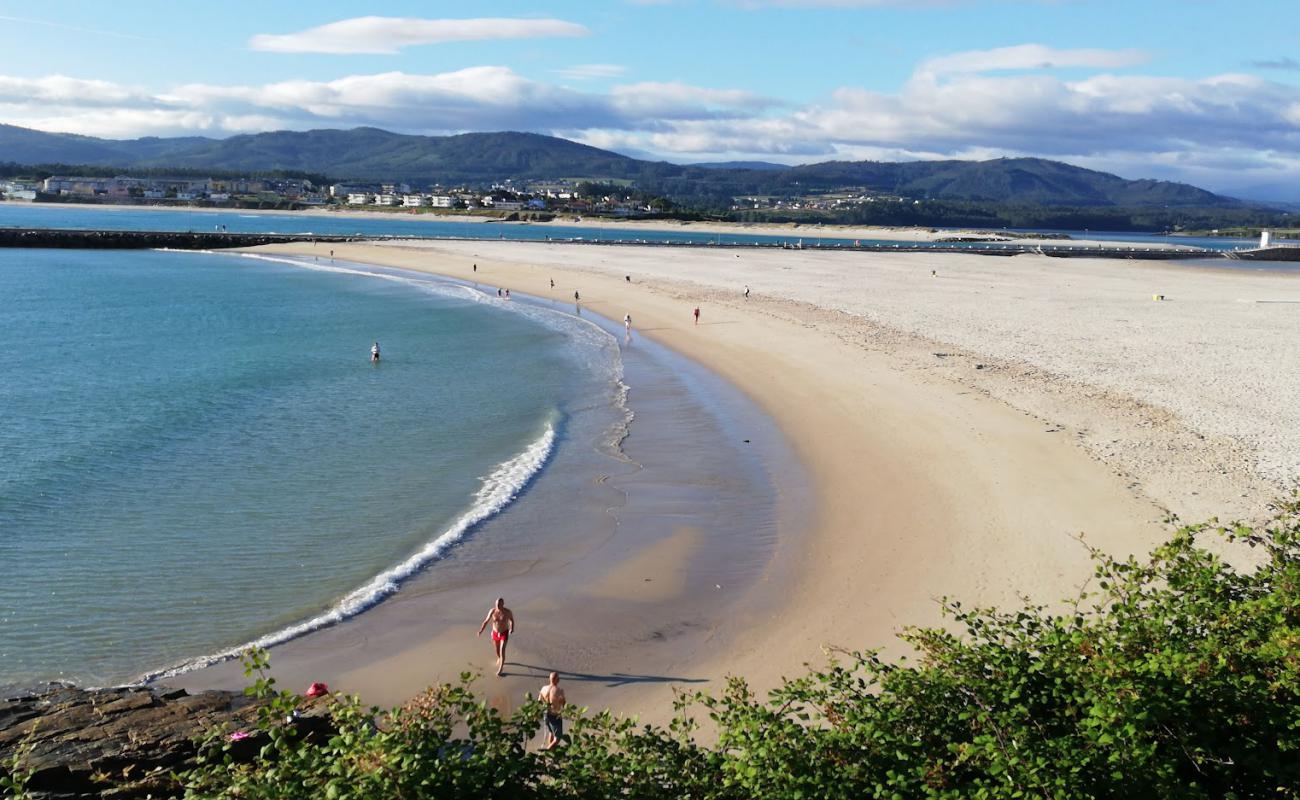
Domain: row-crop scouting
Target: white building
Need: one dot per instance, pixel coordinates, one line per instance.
(415, 201)
(441, 201)
(358, 199)
(386, 200)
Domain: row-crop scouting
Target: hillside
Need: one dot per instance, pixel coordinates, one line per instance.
(374, 154)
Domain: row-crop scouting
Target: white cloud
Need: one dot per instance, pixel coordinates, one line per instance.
(387, 35)
(583, 72)
(1029, 57)
(1222, 131)
(664, 101)
(61, 89)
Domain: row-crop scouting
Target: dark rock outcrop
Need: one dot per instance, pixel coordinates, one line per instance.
(139, 240)
(122, 743)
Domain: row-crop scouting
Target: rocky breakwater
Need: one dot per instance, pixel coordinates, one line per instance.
(139, 240)
(125, 742)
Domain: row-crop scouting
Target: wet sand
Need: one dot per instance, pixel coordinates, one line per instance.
(617, 564)
(936, 467)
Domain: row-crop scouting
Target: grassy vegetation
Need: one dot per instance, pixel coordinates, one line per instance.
(1177, 675)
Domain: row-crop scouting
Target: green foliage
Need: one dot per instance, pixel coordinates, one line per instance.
(1177, 676)
(15, 772)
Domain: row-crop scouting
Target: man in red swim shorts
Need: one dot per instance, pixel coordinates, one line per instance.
(503, 624)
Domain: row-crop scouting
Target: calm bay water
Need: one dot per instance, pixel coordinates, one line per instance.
(14, 215)
(195, 451)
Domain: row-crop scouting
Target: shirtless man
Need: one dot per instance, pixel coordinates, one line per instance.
(553, 696)
(503, 624)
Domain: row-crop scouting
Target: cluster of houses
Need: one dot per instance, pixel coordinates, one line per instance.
(128, 189)
(831, 201)
(555, 196)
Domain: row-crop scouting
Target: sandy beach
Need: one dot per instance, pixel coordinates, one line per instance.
(960, 430)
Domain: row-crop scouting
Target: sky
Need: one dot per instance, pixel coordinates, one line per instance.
(1201, 91)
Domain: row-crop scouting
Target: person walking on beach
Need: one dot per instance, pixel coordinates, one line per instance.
(553, 696)
(576, 298)
(476, 267)
(746, 291)
(697, 315)
(503, 624)
(374, 353)
(627, 324)
(552, 283)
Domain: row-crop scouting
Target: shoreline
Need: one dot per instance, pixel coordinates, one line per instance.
(810, 230)
(653, 571)
(891, 530)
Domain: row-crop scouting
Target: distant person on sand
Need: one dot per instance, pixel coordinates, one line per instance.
(374, 353)
(503, 624)
(553, 696)
(552, 283)
(576, 298)
(476, 267)
(697, 315)
(746, 291)
(627, 278)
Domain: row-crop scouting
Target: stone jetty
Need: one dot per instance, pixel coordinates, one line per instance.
(140, 240)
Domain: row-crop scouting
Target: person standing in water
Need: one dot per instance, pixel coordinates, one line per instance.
(503, 624)
(553, 696)
(374, 353)
(627, 324)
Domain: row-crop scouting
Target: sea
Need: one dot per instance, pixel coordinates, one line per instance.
(20, 215)
(197, 453)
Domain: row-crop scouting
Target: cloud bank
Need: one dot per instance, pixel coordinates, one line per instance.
(1228, 132)
(388, 35)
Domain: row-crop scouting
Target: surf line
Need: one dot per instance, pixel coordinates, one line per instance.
(498, 489)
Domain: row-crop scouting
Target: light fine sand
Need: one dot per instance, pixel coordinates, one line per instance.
(960, 429)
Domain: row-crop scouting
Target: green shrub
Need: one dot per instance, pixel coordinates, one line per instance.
(1178, 676)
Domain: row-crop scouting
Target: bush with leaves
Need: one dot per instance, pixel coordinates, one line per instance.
(1178, 676)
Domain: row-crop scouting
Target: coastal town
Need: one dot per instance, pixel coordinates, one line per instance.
(558, 196)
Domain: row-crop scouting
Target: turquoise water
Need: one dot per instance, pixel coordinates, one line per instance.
(13, 215)
(195, 451)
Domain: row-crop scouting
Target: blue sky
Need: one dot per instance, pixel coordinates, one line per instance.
(1198, 90)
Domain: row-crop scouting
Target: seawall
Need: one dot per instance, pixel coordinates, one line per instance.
(140, 240)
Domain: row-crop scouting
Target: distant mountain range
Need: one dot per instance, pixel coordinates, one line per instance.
(373, 154)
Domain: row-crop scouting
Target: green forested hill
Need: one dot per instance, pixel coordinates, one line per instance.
(373, 154)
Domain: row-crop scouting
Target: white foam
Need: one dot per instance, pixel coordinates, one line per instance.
(498, 489)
